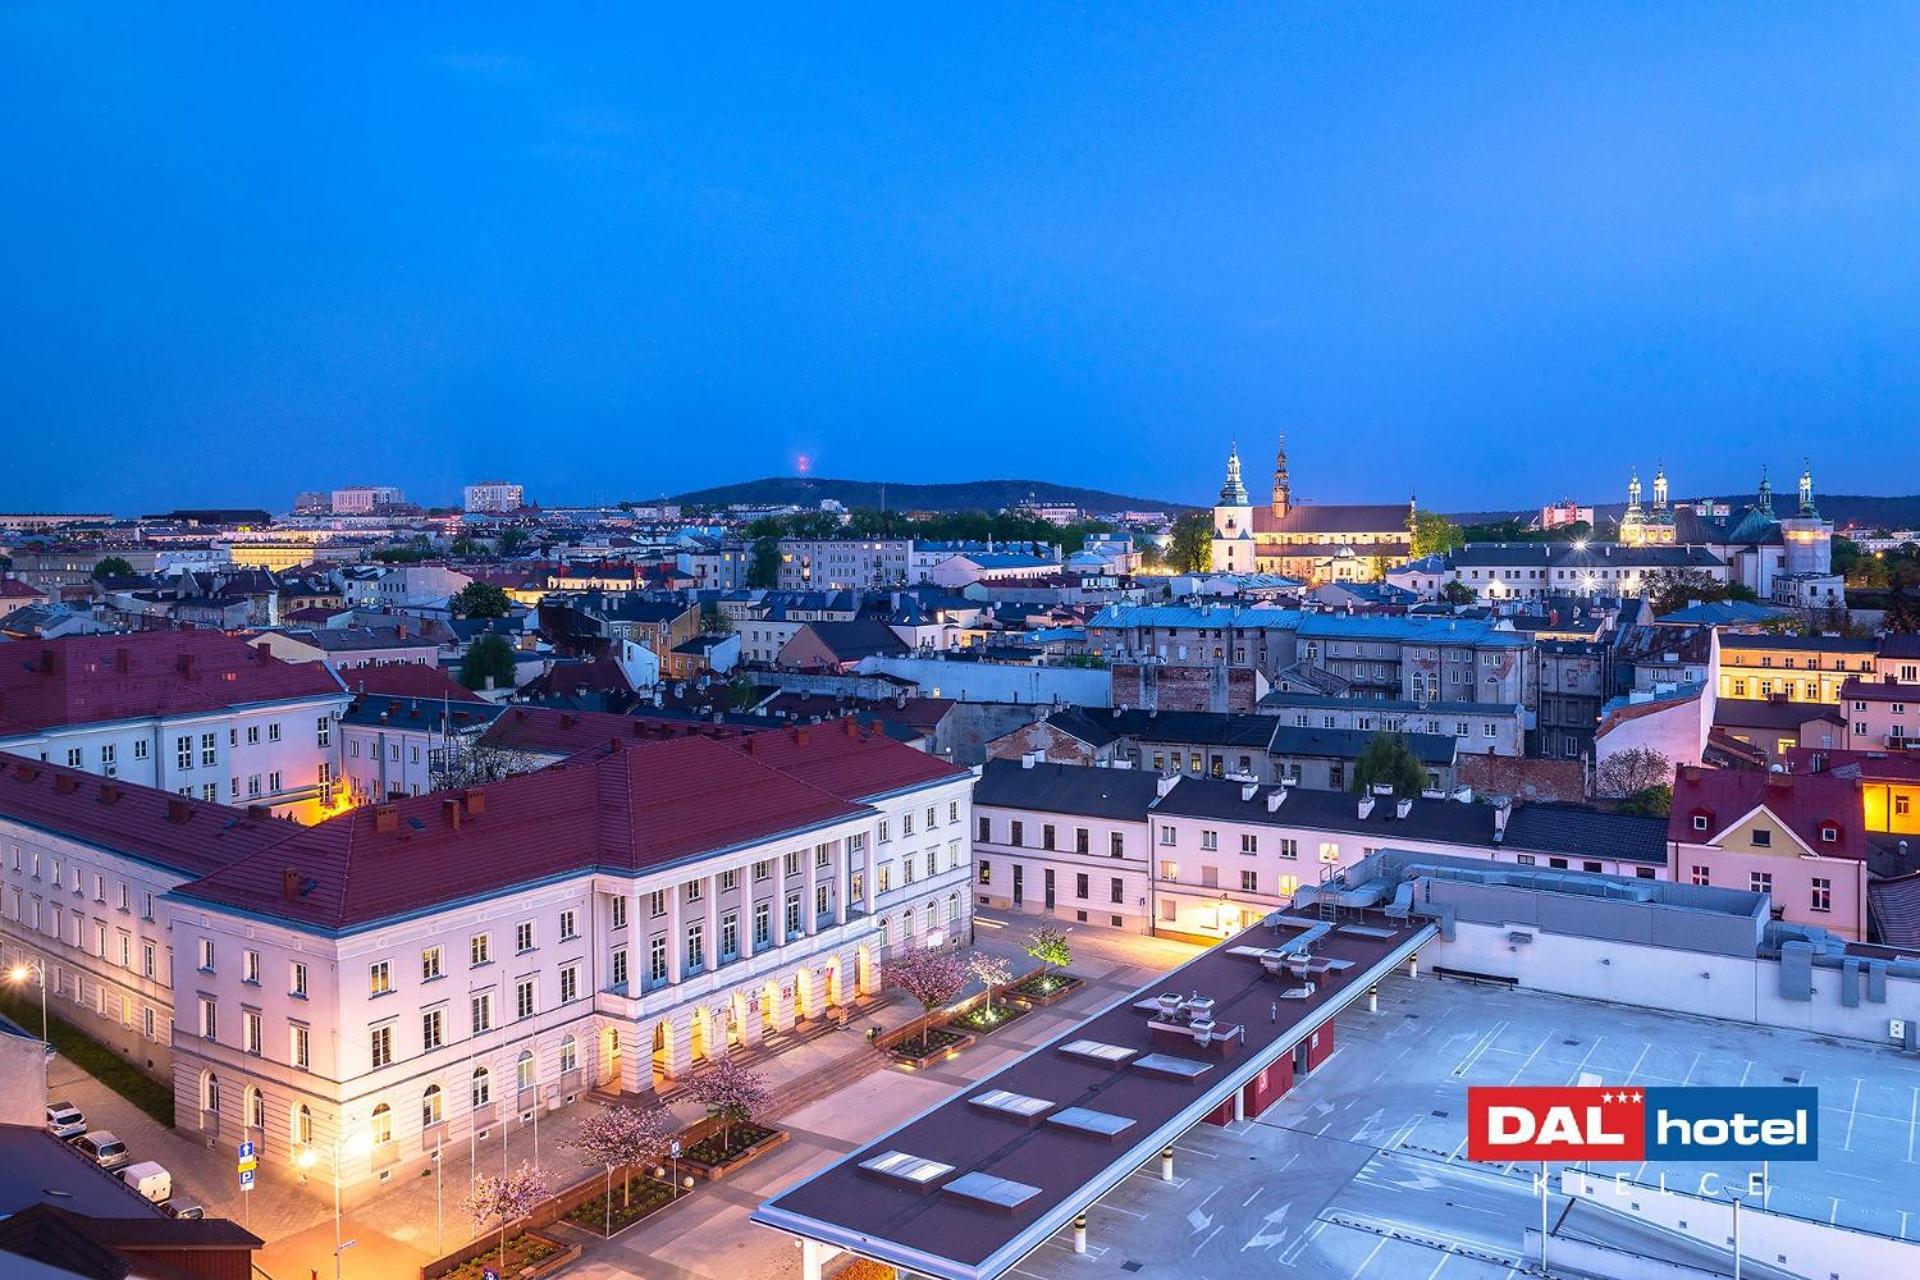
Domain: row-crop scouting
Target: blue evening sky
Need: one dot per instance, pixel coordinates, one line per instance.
(1492, 254)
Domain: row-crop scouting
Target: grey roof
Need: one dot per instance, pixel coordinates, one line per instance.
(1347, 744)
(1210, 728)
(1281, 701)
(1448, 820)
(1089, 726)
(1567, 555)
(1752, 713)
(1116, 794)
(419, 714)
(1580, 832)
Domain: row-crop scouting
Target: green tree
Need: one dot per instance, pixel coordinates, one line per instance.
(490, 658)
(464, 546)
(1387, 760)
(1903, 614)
(1669, 590)
(1655, 801)
(112, 567)
(764, 569)
(1430, 533)
(714, 621)
(1458, 593)
(481, 600)
(512, 540)
(1191, 550)
(1151, 558)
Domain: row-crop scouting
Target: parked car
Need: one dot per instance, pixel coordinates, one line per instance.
(150, 1179)
(181, 1207)
(64, 1120)
(105, 1150)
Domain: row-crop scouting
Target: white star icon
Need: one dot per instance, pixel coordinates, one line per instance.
(1636, 1097)
(1606, 1097)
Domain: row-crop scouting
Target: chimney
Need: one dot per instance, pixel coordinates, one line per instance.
(185, 665)
(1028, 759)
(1366, 805)
(178, 810)
(259, 811)
(289, 883)
(109, 792)
(123, 660)
(1276, 798)
(568, 720)
(450, 808)
(746, 742)
(800, 737)
(1248, 790)
(1403, 807)
(853, 730)
(386, 819)
(65, 783)
(1502, 810)
(47, 661)
(1166, 782)
(476, 802)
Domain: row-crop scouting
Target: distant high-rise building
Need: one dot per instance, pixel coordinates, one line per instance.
(495, 495)
(359, 499)
(311, 502)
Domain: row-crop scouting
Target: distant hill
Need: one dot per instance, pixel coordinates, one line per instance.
(1841, 508)
(966, 495)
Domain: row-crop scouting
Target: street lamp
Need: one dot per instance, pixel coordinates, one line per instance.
(38, 969)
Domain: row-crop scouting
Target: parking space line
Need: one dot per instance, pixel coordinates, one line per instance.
(1913, 1122)
(1636, 1063)
(1445, 1258)
(1209, 1240)
(1521, 1069)
(1744, 1074)
(1379, 1244)
(1852, 1109)
(1690, 1070)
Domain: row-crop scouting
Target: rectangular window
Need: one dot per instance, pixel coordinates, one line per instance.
(429, 964)
(729, 881)
(140, 749)
(1169, 870)
(206, 955)
(480, 1004)
(1822, 898)
(1249, 842)
(379, 978)
(523, 936)
(1046, 835)
(253, 735)
(568, 929)
(1760, 882)
(250, 1031)
(657, 903)
(1080, 886)
(299, 980)
(657, 958)
(523, 998)
(1249, 882)
(250, 968)
(569, 983)
(1167, 837)
(762, 926)
(696, 946)
(1115, 889)
(209, 749)
(300, 1046)
(618, 968)
(323, 731)
(433, 1029)
(1016, 833)
(380, 1045)
(906, 824)
(480, 948)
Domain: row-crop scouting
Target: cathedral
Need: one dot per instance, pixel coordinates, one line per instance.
(1786, 558)
(1308, 541)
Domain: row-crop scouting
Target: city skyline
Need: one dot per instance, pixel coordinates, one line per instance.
(1446, 253)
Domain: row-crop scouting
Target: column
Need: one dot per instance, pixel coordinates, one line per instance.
(748, 1006)
(816, 989)
(711, 892)
(783, 1004)
(810, 880)
(636, 1059)
(779, 913)
(676, 936)
(746, 913)
(873, 875)
(842, 877)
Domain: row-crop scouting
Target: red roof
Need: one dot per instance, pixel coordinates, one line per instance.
(193, 837)
(408, 680)
(623, 809)
(1888, 690)
(1872, 766)
(846, 760)
(550, 731)
(1807, 804)
(14, 589)
(94, 679)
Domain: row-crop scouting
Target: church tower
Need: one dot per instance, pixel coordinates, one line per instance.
(1806, 492)
(1660, 489)
(1633, 496)
(1233, 493)
(1282, 487)
(1765, 505)
(1233, 546)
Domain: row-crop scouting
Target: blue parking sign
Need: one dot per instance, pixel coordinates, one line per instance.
(488, 1273)
(246, 1179)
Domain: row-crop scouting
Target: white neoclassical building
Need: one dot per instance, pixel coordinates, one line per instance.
(424, 971)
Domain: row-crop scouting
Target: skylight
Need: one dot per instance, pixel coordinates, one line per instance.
(1097, 1050)
(984, 1188)
(917, 1170)
(1165, 1064)
(1101, 1124)
(1016, 1104)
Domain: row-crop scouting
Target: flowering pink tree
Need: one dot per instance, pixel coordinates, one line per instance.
(733, 1093)
(624, 1136)
(992, 972)
(931, 975)
(506, 1198)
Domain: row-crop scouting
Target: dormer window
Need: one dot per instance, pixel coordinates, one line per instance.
(1762, 838)
(1829, 834)
(1699, 822)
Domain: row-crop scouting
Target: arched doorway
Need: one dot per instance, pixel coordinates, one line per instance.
(702, 1046)
(769, 1008)
(610, 1054)
(737, 1019)
(662, 1054)
(863, 968)
(835, 995)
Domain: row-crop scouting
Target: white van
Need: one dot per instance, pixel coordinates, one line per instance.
(149, 1179)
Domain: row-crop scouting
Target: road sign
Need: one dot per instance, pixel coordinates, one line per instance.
(488, 1273)
(675, 1149)
(246, 1150)
(246, 1179)
(248, 1164)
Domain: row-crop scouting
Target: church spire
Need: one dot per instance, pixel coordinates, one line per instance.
(1282, 487)
(1233, 493)
(1765, 505)
(1660, 489)
(1633, 496)
(1806, 490)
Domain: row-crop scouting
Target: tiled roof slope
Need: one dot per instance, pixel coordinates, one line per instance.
(1802, 802)
(101, 678)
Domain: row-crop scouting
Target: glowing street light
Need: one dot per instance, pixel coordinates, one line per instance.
(19, 975)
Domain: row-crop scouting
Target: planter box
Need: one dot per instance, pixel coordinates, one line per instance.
(1011, 1011)
(595, 1216)
(944, 1043)
(1029, 991)
(475, 1258)
(714, 1172)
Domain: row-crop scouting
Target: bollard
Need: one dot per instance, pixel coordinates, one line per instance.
(1373, 999)
(1413, 965)
(1080, 1234)
(1166, 1165)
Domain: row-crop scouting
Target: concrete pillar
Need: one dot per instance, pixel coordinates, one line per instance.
(710, 890)
(1373, 998)
(783, 1004)
(814, 1256)
(1413, 965)
(779, 912)
(1080, 1234)
(1166, 1164)
(1240, 1104)
(746, 914)
(679, 1046)
(842, 874)
(718, 1043)
(748, 1007)
(636, 1059)
(872, 879)
(815, 987)
(874, 980)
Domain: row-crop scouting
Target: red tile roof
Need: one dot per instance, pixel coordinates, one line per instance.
(622, 809)
(1803, 803)
(848, 761)
(554, 732)
(94, 679)
(192, 837)
(1873, 766)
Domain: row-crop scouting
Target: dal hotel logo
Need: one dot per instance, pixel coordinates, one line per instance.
(1602, 1123)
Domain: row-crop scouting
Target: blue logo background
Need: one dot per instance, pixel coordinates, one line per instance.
(1760, 1104)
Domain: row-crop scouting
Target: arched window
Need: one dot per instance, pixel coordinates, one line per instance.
(886, 931)
(210, 1092)
(933, 915)
(256, 1108)
(953, 908)
(381, 1126)
(569, 1054)
(906, 925)
(526, 1069)
(303, 1125)
(482, 1087)
(430, 1107)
